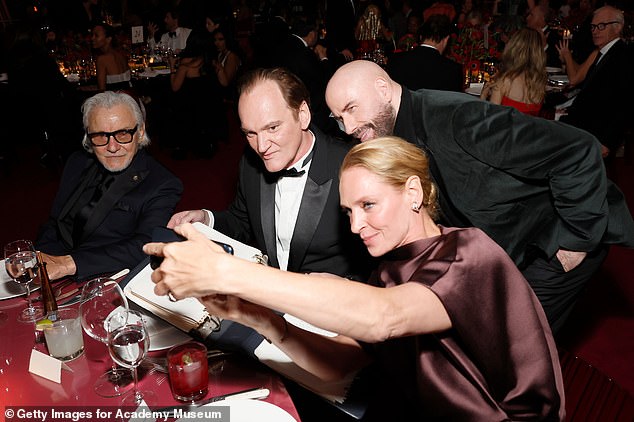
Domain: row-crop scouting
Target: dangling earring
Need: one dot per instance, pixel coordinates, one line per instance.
(415, 207)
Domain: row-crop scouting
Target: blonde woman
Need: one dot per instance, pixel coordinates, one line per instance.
(453, 325)
(521, 81)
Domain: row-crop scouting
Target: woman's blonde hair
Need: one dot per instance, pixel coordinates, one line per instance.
(524, 57)
(394, 160)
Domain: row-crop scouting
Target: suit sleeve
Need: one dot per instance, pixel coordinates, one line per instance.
(567, 159)
(156, 210)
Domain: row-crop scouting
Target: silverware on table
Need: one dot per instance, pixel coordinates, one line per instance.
(160, 363)
(253, 393)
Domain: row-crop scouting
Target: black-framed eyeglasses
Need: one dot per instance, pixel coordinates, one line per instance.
(123, 136)
(601, 25)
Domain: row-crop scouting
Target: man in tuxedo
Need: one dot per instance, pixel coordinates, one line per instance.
(603, 105)
(175, 38)
(111, 196)
(309, 61)
(536, 187)
(287, 201)
(425, 66)
(288, 197)
(537, 18)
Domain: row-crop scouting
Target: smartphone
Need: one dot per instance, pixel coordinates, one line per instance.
(163, 234)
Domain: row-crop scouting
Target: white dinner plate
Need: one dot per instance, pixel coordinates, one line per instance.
(559, 79)
(242, 410)
(553, 69)
(9, 288)
(162, 334)
(475, 89)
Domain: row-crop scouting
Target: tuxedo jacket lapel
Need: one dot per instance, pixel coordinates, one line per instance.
(132, 177)
(310, 212)
(314, 199)
(267, 217)
(87, 176)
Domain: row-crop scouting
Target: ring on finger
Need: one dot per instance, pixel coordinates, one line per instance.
(171, 297)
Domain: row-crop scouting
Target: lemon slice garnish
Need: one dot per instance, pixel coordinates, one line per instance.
(43, 323)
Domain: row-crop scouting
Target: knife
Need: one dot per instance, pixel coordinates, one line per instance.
(253, 393)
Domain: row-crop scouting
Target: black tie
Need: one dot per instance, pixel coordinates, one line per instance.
(293, 172)
(593, 68)
(173, 34)
(84, 213)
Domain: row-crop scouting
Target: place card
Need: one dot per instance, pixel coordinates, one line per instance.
(47, 366)
(137, 34)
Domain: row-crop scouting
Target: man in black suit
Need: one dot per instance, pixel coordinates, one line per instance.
(537, 18)
(425, 66)
(295, 219)
(536, 187)
(603, 106)
(111, 196)
(308, 60)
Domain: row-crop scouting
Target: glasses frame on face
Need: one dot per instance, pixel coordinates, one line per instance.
(116, 135)
(601, 25)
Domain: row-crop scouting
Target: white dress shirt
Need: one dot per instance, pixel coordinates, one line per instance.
(288, 198)
(176, 43)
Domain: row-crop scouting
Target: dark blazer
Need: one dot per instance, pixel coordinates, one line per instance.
(526, 182)
(322, 240)
(425, 67)
(603, 107)
(315, 73)
(142, 197)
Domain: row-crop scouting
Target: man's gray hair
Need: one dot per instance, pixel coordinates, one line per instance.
(108, 100)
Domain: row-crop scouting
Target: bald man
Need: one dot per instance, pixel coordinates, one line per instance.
(537, 187)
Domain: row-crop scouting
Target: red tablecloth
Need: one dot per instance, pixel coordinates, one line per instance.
(19, 387)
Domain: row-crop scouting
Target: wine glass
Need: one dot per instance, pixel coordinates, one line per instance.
(128, 344)
(20, 261)
(100, 297)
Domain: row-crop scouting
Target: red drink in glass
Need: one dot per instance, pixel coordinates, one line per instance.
(188, 371)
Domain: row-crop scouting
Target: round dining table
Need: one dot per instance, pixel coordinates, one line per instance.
(20, 389)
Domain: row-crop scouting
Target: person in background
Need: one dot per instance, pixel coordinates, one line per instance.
(425, 66)
(111, 196)
(536, 187)
(175, 38)
(521, 81)
(603, 106)
(197, 110)
(576, 72)
(113, 72)
(419, 316)
(227, 62)
(537, 18)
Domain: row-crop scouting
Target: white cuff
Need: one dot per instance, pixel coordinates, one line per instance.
(210, 217)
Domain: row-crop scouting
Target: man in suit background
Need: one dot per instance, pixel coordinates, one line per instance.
(536, 187)
(295, 219)
(303, 56)
(111, 196)
(603, 105)
(425, 66)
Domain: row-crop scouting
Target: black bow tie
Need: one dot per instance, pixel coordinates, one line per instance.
(292, 172)
(173, 34)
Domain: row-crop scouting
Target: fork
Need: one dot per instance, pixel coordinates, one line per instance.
(160, 364)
